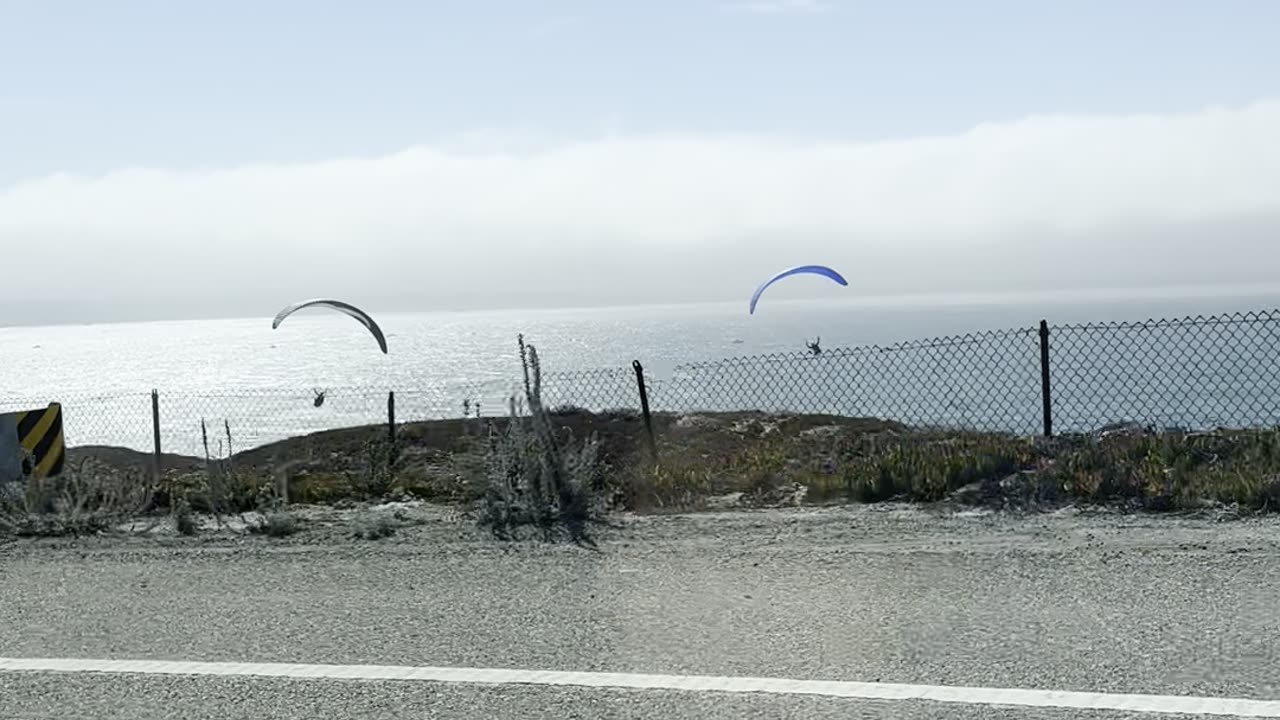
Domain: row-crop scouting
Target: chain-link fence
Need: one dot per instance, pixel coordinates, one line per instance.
(987, 380)
(1196, 372)
(122, 419)
(1200, 372)
(231, 421)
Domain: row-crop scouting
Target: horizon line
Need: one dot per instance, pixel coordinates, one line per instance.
(1086, 295)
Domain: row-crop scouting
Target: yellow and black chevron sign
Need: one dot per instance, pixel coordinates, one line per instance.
(40, 433)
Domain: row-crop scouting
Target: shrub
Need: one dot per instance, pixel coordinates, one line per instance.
(374, 525)
(378, 471)
(275, 524)
(184, 520)
(532, 478)
(83, 500)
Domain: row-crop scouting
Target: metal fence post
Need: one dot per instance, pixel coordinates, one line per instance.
(391, 428)
(155, 433)
(644, 409)
(1045, 397)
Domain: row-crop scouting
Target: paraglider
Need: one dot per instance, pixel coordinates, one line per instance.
(341, 307)
(815, 347)
(319, 396)
(822, 270)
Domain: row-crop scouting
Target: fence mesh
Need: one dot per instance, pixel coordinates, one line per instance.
(595, 390)
(1199, 372)
(122, 420)
(986, 380)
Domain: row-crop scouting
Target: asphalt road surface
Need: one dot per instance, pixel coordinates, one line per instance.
(1101, 603)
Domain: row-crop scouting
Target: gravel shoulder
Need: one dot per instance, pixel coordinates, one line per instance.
(1092, 601)
(44, 697)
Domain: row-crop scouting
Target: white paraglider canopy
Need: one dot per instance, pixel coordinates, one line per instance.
(341, 307)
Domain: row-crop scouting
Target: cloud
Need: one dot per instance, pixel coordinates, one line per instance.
(781, 6)
(1046, 202)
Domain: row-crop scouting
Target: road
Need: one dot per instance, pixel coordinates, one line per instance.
(1100, 603)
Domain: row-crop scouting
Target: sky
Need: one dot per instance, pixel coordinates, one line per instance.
(172, 159)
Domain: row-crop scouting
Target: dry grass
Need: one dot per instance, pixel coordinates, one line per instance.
(1174, 470)
(554, 470)
(85, 499)
(766, 459)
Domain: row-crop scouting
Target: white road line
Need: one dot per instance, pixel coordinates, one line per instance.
(1174, 704)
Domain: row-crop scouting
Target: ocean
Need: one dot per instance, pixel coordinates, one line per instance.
(259, 382)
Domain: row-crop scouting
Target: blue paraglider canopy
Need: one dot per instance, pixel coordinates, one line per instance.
(822, 270)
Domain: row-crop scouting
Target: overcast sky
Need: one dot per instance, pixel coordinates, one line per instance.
(182, 159)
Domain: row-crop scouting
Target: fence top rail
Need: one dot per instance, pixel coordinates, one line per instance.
(1235, 318)
(44, 400)
(906, 346)
(504, 385)
(598, 372)
(249, 393)
(332, 390)
(949, 341)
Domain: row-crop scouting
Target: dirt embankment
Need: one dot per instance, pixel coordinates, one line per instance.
(713, 460)
(445, 460)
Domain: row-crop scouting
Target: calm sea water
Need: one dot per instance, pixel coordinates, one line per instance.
(260, 381)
